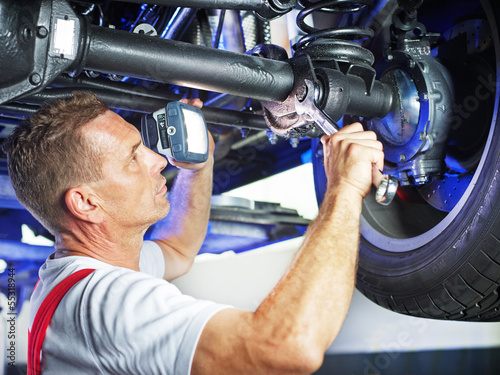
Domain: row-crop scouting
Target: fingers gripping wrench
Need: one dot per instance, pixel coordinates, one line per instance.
(306, 105)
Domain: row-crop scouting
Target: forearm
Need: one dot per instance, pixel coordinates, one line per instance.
(295, 324)
(182, 232)
(312, 299)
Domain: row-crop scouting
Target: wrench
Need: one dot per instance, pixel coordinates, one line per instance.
(306, 105)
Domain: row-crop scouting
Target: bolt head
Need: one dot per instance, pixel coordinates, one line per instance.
(42, 32)
(301, 92)
(35, 79)
(272, 137)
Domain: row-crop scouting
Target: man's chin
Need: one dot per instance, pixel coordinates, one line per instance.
(165, 210)
(160, 215)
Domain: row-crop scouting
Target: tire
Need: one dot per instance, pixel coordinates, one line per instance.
(424, 261)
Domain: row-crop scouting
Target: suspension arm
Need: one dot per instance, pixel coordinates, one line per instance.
(46, 54)
(267, 9)
(169, 61)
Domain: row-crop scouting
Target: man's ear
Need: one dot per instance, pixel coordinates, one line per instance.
(83, 203)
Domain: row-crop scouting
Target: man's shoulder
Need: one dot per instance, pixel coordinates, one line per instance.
(55, 270)
(104, 277)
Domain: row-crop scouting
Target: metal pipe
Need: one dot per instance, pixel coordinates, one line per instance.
(124, 88)
(129, 101)
(235, 119)
(137, 103)
(207, 4)
(148, 100)
(267, 9)
(17, 111)
(179, 23)
(184, 64)
(377, 104)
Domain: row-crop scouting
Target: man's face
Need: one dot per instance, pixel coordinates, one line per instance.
(132, 188)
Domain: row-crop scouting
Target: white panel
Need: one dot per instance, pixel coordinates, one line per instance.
(244, 280)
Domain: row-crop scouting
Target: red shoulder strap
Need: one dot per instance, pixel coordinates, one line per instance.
(43, 316)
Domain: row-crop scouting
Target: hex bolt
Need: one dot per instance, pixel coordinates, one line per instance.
(301, 92)
(42, 32)
(35, 79)
(410, 64)
(273, 138)
(402, 158)
(294, 142)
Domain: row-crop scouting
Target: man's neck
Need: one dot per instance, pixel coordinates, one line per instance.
(118, 250)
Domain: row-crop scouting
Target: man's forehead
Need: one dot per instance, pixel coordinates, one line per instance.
(110, 129)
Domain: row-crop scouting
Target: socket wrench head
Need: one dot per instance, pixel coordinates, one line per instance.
(386, 191)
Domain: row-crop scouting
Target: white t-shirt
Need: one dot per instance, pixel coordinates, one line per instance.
(119, 321)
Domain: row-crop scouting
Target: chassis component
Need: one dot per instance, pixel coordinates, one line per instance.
(347, 82)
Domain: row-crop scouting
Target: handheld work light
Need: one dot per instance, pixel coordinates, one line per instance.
(178, 131)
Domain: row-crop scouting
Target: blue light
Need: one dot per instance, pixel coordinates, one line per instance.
(454, 165)
(306, 157)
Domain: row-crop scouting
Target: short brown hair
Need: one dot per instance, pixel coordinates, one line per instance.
(48, 154)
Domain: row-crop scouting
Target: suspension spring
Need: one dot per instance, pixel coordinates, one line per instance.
(338, 43)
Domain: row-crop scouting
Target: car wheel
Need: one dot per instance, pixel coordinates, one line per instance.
(435, 251)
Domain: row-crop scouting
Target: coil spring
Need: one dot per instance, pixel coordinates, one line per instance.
(339, 43)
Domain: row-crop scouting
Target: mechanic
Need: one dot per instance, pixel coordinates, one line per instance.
(85, 174)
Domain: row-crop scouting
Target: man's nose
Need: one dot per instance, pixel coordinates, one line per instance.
(158, 162)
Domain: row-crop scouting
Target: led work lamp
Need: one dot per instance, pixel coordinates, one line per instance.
(178, 131)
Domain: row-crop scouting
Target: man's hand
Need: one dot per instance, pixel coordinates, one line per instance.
(353, 159)
(211, 145)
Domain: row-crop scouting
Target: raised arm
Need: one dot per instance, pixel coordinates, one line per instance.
(295, 324)
(181, 234)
